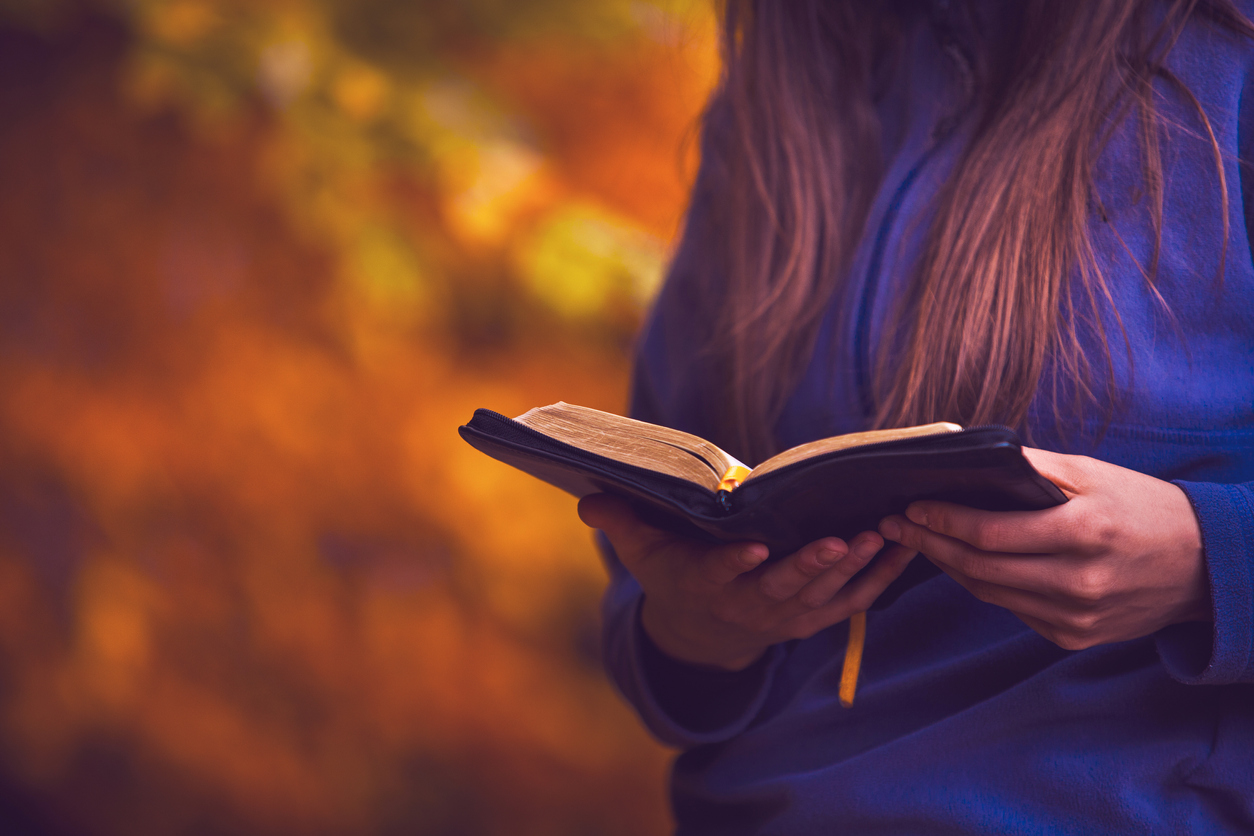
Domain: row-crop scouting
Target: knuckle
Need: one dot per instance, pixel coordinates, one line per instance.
(966, 563)
(1082, 623)
(809, 567)
(986, 534)
(813, 598)
(1090, 584)
(773, 590)
(1097, 531)
(1107, 532)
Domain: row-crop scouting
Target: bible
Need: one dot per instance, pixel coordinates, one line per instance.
(835, 486)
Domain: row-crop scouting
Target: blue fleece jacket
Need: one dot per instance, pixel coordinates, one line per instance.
(966, 721)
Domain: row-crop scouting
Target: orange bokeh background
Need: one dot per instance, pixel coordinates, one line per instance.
(257, 262)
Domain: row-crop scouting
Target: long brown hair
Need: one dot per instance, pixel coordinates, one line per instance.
(1008, 276)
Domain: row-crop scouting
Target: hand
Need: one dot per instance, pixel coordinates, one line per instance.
(1120, 560)
(718, 606)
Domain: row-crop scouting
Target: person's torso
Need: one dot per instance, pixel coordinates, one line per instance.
(965, 719)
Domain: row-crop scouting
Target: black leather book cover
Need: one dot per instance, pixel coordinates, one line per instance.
(835, 494)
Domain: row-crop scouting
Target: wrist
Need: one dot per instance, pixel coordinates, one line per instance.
(680, 639)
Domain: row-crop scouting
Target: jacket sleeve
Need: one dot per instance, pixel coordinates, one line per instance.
(682, 705)
(1221, 652)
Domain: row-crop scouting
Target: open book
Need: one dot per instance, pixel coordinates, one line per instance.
(835, 486)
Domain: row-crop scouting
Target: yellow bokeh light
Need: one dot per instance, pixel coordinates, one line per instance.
(247, 563)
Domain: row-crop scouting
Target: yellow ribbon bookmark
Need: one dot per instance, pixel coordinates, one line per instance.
(857, 622)
(853, 658)
(730, 481)
(733, 477)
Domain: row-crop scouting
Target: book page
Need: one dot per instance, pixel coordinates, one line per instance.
(633, 442)
(848, 441)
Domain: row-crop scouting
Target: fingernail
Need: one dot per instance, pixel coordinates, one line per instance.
(890, 529)
(753, 555)
(867, 548)
(917, 515)
(827, 557)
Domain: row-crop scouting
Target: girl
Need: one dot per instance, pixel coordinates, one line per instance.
(1031, 213)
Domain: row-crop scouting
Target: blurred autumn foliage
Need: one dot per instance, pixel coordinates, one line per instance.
(258, 260)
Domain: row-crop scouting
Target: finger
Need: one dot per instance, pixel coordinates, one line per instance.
(1048, 531)
(604, 512)
(1033, 572)
(723, 564)
(1065, 579)
(1068, 623)
(632, 539)
(786, 578)
(856, 596)
(820, 590)
(1069, 473)
(636, 542)
(1016, 600)
(861, 593)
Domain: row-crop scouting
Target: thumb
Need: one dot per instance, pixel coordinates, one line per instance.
(608, 513)
(633, 540)
(1057, 468)
(619, 522)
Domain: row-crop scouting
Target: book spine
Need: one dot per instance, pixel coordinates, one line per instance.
(730, 481)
